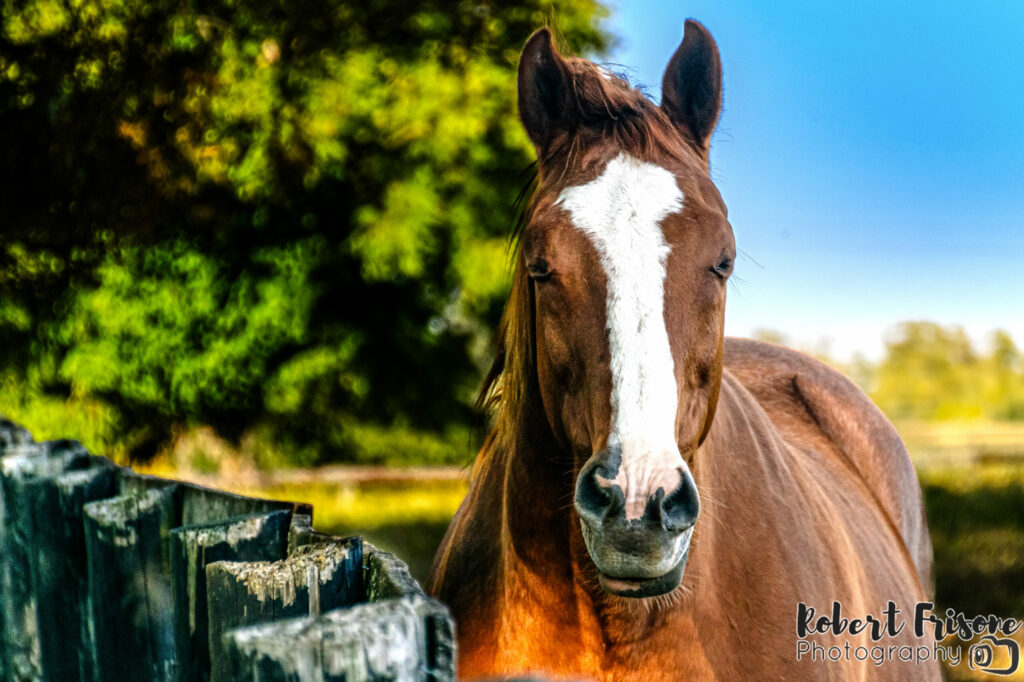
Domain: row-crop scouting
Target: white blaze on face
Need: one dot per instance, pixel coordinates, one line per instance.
(621, 213)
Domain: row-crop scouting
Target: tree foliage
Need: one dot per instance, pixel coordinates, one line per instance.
(934, 372)
(284, 219)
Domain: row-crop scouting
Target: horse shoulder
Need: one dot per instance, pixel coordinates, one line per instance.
(811, 403)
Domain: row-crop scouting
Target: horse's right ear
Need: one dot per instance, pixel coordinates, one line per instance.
(545, 100)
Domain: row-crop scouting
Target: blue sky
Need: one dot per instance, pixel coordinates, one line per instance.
(871, 155)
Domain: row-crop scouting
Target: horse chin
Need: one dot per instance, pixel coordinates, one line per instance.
(642, 588)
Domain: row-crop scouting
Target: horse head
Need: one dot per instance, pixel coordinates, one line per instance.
(625, 255)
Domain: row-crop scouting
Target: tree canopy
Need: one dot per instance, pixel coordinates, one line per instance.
(287, 220)
(933, 372)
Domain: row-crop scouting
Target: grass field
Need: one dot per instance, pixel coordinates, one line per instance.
(976, 518)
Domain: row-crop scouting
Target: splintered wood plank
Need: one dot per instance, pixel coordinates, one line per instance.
(260, 537)
(386, 576)
(10, 435)
(313, 579)
(301, 533)
(59, 569)
(205, 505)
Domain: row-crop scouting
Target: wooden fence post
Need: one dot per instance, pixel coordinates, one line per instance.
(130, 598)
(312, 580)
(260, 537)
(59, 572)
(109, 575)
(19, 467)
(382, 641)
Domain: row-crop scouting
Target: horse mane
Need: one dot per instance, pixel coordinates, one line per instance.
(609, 113)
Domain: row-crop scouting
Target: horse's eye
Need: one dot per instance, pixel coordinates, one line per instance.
(539, 270)
(723, 268)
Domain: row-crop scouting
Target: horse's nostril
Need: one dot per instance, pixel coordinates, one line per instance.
(680, 508)
(594, 500)
(600, 500)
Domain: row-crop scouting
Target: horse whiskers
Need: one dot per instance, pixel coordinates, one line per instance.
(688, 590)
(712, 516)
(711, 504)
(567, 506)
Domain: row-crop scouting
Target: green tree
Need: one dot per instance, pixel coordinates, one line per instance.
(926, 373)
(1004, 381)
(285, 219)
(933, 372)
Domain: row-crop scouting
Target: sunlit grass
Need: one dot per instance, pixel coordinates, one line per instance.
(976, 519)
(979, 432)
(359, 505)
(371, 506)
(970, 478)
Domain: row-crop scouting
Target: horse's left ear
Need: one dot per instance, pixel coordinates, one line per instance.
(691, 90)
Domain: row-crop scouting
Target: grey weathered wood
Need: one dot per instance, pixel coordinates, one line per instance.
(440, 645)
(386, 576)
(131, 600)
(57, 560)
(10, 435)
(312, 580)
(204, 505)
(260, 537)
(387, 640)
(21, 464)
(108, 575)
(197, 504)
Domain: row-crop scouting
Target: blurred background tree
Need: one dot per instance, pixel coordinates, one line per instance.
(934, 373)
(285, 220)
(931, 372)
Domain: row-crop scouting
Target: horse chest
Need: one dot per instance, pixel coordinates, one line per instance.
(573, 640)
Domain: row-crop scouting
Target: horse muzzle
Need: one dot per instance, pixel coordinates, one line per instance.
(639, 550)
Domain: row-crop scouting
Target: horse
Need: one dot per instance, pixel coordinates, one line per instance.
(654, 500)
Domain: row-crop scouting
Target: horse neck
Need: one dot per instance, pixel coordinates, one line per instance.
(537, 495)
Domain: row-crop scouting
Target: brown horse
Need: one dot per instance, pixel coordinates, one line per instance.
(578, 551)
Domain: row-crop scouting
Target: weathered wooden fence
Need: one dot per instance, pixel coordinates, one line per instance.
(109, 575)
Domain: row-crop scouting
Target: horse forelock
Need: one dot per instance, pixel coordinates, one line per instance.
(609, 111)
